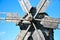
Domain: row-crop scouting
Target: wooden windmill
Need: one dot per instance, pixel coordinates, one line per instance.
(36, 24)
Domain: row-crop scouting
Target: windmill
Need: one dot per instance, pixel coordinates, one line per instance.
(36, 24)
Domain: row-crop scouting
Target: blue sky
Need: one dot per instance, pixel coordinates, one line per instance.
(9, 31)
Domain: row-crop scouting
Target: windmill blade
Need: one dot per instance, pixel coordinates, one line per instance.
(43, 4)
(28, 5)
(12, 17)
(26, 33)
(49, 22)
(25, 5)
(39, 33)
(57, 20)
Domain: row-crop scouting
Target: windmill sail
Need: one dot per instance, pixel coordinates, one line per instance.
(25, 5)
(50, 22)
(12, 17)
(43, 4)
